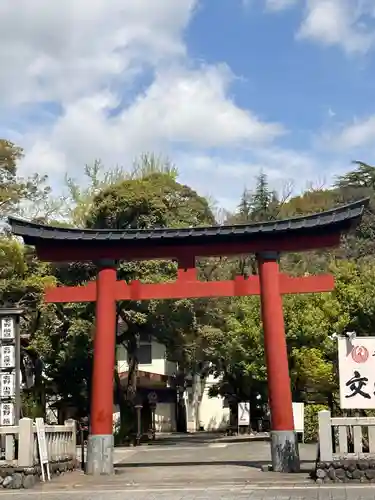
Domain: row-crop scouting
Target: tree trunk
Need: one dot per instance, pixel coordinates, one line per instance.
(126, 412)
(126, 398)
(132, 350)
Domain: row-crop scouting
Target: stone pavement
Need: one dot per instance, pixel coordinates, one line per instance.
(209, 493)
(197, 471)
(210, 464)
(184, 439)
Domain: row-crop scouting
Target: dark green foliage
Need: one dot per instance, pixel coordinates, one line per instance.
(221, 336)
(153, 201)
(260, 205)
(311, 421)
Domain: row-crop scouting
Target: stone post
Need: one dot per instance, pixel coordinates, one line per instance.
(73, 442)
(325, 436)
(26, 443)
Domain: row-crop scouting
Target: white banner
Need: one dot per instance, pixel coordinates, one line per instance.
(244, 413)
(357, 373)
(299, 417)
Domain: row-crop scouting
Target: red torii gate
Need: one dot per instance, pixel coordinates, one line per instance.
(266, 240)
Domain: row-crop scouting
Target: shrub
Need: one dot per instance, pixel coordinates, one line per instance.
(311, 421)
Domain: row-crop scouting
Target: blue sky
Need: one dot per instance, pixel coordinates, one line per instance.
(224, 88)
(296, 83)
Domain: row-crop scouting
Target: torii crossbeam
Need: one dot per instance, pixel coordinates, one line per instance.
(187, 286)
(267, 240)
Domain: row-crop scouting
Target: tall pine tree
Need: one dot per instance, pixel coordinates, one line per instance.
(260, 205)
(244, 208)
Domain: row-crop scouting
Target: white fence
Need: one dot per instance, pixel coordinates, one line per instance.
(61, 443)
(346, 437)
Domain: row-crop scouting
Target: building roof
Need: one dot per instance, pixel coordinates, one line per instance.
(341, 218)
(320, 230)
(144, 378)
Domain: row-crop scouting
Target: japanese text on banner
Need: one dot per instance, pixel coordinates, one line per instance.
(357, 373)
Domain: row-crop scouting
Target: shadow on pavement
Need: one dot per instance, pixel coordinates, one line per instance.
(196, 439)
(306, 466)
(242, 439)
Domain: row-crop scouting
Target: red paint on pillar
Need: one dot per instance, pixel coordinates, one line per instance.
(279, 390)
(104, 353)
(187, 286)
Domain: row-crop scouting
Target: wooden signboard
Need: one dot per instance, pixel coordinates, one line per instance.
(299, 419)
(42, 447)
(244, 413)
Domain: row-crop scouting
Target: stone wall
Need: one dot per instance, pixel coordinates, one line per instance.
(345, 471)
(13, 477)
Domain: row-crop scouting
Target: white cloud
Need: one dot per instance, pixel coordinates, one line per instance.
(278, 5)
(181, 107)
(339, 22)
(360, 133)
(63, 50)
(285, 168)
(348, 24)
(85, 59)
(194, 107)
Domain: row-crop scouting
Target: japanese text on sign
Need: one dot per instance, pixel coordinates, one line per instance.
(357, 373)
(244, 413)
(42, 443)
(7, 356)
(7, 328)
(7, 385)
(7, 414)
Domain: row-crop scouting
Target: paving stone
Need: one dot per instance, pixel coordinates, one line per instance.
(197, 471)
(241, 493)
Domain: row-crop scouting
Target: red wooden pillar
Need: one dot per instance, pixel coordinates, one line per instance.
(100, 445)
(284, 444)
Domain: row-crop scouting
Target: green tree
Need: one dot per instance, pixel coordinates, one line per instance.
(80, 195)
(264, 202)
(22, 284)
(362, 177)
(259, 205)
(220, 335)
(18, 194)
(354, 185)
(151, 200)
(311, 323)
(63, 339)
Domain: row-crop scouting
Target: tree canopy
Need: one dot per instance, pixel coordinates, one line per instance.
(221, 336)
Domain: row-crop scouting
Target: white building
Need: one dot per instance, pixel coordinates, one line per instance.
(157, 375)
(203, 412)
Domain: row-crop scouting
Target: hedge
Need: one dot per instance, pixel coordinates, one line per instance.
(311, 421)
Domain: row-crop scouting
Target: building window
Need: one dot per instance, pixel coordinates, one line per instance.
(145, 354)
